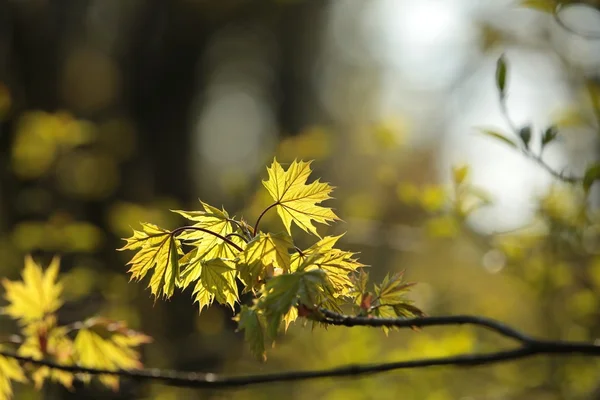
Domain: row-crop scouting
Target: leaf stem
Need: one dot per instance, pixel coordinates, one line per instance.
(262, 215)
(238, 235)
(299, 251)
(199, 228)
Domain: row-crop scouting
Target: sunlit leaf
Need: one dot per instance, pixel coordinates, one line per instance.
(297, 201)
(265, 251)
(37, 295)
(114, 349)
(216, 282)
(283, 292)
(10, 370)
(45, 340)
(154, 251)
(249, 321)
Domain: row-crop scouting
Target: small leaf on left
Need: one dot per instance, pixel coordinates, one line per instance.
(10, 370)
(158, 250)
(36, 296)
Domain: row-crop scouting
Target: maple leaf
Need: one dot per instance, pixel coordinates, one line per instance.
(337, 264)
(265, 251)
(36, 296)
(283, 292)
(10, 370)
(158, 250)
(297, 201)
(108, 345)
(250, 322)
(212, 219)
(207, 245)
(216, 282)
(392, 301)
(45, 340)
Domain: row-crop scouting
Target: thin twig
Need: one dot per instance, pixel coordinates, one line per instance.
(527, 151)
(334, 318)
(262, 214)
(199, 228)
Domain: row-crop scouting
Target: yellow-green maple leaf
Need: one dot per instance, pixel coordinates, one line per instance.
(265, 251)
(158, 250)
(212, 219)
(249, 321)
(216, 282)
(10, 370)
(112, 350)
(283, 292)
(46, 340)
(297, 201)
(207, 245)
(337, 264)
(37, 295)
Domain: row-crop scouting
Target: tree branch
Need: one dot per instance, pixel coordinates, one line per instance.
(528, 347)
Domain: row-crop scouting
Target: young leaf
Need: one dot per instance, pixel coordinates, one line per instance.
(501, 71)
(297, 201)
(10, 370)
(154, 252)
(218, 277)
(592, 174)
(102, 347)
(36, 296)
(265, 250)
(44, 339)
(392, 290)
(249, 321)
(207, 245)
(283, 292)
(215, 280)
(525, 135)
(498, 136)
(549, 135)
(460, 173)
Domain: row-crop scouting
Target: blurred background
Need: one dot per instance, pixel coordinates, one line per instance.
(112, 112)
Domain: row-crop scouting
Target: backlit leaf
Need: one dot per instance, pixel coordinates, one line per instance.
(112, 350)
(212, 219)
(265, 251)
(10, 370)
(249, 321)
(45, 340)
(216, 281)
(36, 296)
(297, 201)
(154, 247)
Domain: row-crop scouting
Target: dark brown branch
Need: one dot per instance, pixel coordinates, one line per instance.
(199, 228)
(528, 347)
(334, 318)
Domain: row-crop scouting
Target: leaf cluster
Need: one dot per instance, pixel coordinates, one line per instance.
(222, 258)
(33, 303)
